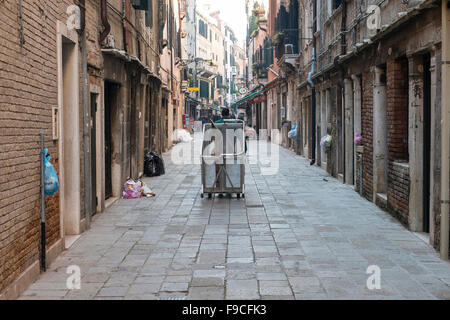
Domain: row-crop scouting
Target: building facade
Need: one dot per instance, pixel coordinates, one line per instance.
(351, 69)
(101, 96)
(214, 66)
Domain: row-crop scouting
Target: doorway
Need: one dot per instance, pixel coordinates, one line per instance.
(340, 132)
(380, 134)
(258, 119)
(148, 127)
(93, 124)
(426, 143)
(111, 92)
(69, 144)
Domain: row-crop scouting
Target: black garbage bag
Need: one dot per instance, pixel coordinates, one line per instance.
(154, 165)
(150, 165)
(160, 167)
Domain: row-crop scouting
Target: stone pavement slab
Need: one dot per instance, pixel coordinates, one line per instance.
(298, 234)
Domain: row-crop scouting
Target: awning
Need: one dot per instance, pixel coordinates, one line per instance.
(193, 100)
(248, 97)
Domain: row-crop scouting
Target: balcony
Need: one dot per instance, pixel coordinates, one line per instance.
(207, 70)
(288, 57)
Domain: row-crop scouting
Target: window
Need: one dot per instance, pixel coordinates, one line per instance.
(203, 28)
(149, 14)
(204, 89)
(318, 15)
(308, 29)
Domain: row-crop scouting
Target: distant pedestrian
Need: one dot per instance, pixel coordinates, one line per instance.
(225, 116)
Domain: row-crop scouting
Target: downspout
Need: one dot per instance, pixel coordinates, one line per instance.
(445, 173)
(339, 65)
(21, 31)
(43, 238)
(313, 87)
(124, 30)
(86, 118)
(104, 17)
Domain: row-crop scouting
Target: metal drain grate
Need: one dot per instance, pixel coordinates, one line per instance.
(172, 298)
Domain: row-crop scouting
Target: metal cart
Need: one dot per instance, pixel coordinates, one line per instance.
(223, 159)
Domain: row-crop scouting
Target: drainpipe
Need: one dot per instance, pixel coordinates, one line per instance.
(104, 17)
(43, 239)
(21, 31)
(313, 87)
(124, 30)
(86, 119)
(445, 183)
(338, 65)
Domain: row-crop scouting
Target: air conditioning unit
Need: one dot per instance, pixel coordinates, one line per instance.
(289, 49)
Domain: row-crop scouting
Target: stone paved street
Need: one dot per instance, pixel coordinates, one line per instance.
(299, 234)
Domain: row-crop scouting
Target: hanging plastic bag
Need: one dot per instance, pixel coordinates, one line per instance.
(293, 133)
(326, 141)
(51, 182)
(358, 139)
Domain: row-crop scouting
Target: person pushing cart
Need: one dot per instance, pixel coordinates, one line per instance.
(223, 157)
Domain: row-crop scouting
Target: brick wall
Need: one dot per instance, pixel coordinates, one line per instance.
(93, 29)
(397, 109)
(28, 91)
(397, 138)
(367, 133)
(398, 191)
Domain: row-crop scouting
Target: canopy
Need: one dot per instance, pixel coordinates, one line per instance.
(247, 97)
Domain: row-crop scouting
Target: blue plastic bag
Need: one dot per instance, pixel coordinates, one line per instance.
(51, 183)
(293, 133)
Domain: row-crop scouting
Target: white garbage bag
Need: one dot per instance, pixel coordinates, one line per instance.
(181, 135)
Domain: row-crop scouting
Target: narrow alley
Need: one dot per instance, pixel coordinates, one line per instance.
(299, 234)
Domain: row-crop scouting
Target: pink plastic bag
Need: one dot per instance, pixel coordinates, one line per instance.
(358, 139)
(132, 189)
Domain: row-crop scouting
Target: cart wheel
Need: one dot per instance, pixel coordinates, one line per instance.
(230, 195)
(202, 195)
(238, 195)
(243, 195)
(209, 195)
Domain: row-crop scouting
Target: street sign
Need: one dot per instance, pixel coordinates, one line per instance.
(243, 91)
(194, 89)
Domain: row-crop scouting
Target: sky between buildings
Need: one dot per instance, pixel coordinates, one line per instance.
(233, 13)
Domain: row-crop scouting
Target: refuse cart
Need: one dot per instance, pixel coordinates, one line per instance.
(223, 159)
